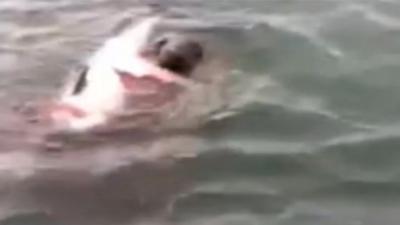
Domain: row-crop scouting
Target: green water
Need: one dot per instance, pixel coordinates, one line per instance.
(314, 141)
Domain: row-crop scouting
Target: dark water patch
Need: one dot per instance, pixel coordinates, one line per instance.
(313, 216)
(372, 36)
(388, 8)
(31, 218)
(277, 122)
(278, 46)
(383, 75)
(366, 159)
(233, 165)
(257, 6)
(376, 193)
(130, 193)
(349, 97)
(215, 204)
(264, 54)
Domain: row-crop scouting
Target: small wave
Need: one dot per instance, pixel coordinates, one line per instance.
(372, 15)
(372, 134)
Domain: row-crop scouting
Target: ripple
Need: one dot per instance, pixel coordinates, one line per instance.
(363, 158)
(201, 204)
(312, 137)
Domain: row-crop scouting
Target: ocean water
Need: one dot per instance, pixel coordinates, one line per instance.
(312, 139)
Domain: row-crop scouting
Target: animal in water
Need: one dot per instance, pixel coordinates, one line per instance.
(176, 53)
(127, 72)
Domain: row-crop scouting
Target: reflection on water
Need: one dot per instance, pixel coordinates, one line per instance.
(313, 138)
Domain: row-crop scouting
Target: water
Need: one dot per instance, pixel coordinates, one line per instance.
(314, 139)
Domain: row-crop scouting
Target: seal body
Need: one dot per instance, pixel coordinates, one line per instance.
(128, 75)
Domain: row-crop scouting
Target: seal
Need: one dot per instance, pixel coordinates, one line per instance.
(127, 72)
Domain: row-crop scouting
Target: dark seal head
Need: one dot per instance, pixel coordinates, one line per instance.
(177, 53)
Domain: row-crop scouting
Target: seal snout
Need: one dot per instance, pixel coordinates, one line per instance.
(176, 53)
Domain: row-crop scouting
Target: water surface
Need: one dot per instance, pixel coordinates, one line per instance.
(315, 139)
